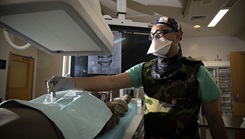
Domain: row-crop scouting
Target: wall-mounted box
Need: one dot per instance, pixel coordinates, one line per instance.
(2, 64)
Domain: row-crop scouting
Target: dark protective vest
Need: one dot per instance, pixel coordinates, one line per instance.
(179, 94)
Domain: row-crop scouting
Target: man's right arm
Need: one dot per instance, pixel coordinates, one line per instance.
(130, 78)
(103, 83)
(97, 83)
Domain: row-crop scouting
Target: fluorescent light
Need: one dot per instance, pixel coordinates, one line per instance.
(217, 18)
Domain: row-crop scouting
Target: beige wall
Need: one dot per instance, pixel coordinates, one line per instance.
(211, 48)
(45, 66)
(4, 55)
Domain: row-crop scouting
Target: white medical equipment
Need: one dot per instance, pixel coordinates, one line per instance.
(60, 27)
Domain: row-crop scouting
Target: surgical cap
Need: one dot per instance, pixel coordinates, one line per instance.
(169, 21)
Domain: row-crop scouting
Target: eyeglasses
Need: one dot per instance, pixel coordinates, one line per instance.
(159, 33)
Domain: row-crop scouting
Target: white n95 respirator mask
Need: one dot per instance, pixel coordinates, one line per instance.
(159, 46)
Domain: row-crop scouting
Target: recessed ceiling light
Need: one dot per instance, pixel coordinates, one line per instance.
(197, 26)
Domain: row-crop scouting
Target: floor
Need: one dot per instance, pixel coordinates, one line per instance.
(231, 133)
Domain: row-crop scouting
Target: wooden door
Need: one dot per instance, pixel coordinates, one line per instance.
(20, 77)
(237, 63)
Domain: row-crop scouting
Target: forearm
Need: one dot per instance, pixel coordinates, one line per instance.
(103, 83)
(215, 121)
(98, 83)
(217, 128)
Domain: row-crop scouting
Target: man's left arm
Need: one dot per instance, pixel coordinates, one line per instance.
(214, 119)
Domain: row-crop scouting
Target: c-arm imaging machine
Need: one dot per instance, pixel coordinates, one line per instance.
(58, 27)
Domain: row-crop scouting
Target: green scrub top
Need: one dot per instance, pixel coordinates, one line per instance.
(207, 90)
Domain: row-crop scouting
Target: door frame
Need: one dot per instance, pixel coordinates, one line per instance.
(238, 95)
(8, 73)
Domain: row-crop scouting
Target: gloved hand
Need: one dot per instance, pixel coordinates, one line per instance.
(58, 83)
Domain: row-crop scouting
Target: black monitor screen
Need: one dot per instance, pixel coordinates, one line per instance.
(130, 48)
(134, 50)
